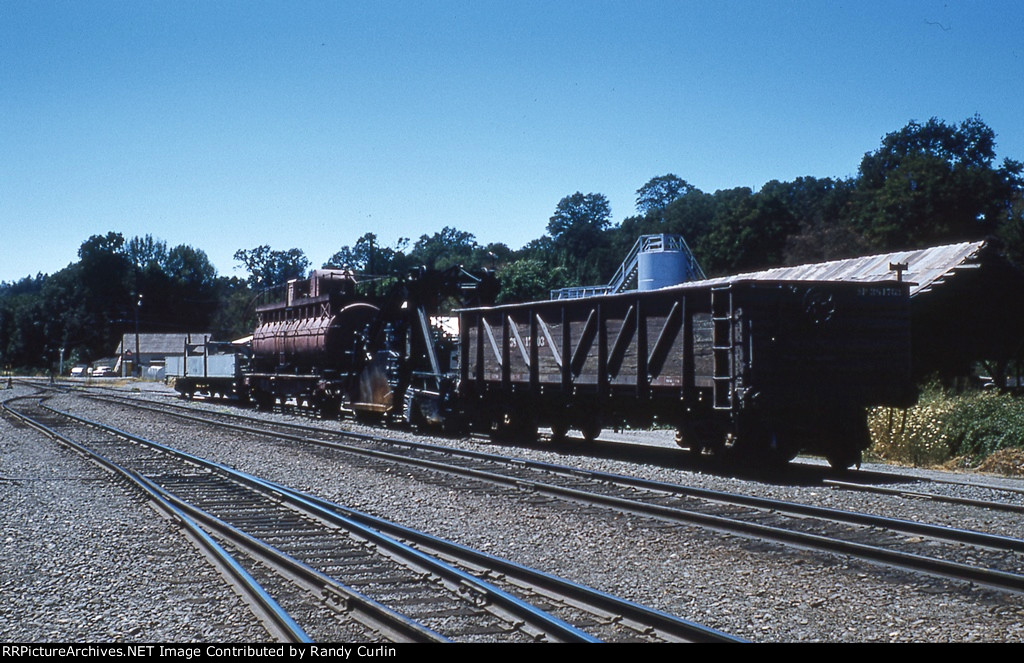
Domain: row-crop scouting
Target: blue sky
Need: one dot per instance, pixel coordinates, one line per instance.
(225, 125)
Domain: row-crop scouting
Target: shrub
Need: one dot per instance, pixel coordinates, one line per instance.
(984, 422)
(942, 426)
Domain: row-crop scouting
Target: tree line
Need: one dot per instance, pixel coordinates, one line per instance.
(926, 184)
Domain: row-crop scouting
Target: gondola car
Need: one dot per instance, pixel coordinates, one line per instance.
(759, 370)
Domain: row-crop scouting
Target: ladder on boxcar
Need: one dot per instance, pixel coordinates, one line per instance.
(723, 345)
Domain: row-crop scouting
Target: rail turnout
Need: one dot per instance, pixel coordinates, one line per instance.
(395, 583)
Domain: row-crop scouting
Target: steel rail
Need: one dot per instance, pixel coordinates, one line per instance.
(537, 618)
(953, 534)
(669, 626)
(275, 618)
(672, 626)
(934, 497)
(377, 616)
(999, 579)
(912, 478)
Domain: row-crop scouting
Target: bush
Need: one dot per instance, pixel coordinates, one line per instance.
(943, 426)
(985, 422)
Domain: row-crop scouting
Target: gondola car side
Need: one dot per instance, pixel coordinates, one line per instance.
(762, 369)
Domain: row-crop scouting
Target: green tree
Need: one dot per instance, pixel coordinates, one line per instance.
(445, 249)
(182, 294)
(1011, 232)
(749, 232)
(577, 230)
(660, 192)
(367, 255)
(932, 183)
(491, 256)
(541, 249)
(21, 318)
(145, 251)
(190, 268)
(691, 215)
(821, 210)
(268, 268)
(235, 314)
(108, 292)
(528, 279)
(580, 214)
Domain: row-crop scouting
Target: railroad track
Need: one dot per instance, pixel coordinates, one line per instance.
(960, 554)
(351, 564)
(1002, 497)
(914, 493)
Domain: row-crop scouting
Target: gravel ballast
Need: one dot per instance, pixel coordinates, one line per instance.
(84, 560)
(757, 590)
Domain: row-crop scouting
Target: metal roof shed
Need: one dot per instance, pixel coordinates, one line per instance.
(967, 302)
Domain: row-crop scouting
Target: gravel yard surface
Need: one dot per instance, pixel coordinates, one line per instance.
(82, 559)
(757, 590)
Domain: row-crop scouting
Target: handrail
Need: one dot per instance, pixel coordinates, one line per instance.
(630, 266)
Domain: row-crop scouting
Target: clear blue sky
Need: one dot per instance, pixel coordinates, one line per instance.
(226, 125)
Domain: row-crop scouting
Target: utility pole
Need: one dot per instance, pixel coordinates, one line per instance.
(136, 368)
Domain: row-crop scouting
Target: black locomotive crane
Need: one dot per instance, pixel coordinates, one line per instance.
(408, 360)
(330, 348)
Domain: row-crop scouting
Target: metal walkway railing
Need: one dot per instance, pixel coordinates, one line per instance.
(628, 270)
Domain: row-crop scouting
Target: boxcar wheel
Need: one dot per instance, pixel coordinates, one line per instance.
(759, 446)
(515, 428)
(559, 429)
(844, 459)
(329, 407)
(701, 437)
(849, 438)
(590, 429)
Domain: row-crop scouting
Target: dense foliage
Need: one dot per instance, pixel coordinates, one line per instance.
(944, 426)
(926, 184)
(85, 307)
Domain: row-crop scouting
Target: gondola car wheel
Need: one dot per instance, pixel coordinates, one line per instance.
(590, 429)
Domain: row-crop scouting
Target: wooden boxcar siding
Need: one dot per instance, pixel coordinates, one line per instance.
(660, 343)
(625, 344)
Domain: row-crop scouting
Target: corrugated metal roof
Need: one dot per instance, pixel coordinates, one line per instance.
(165, 344)
(925, 268)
